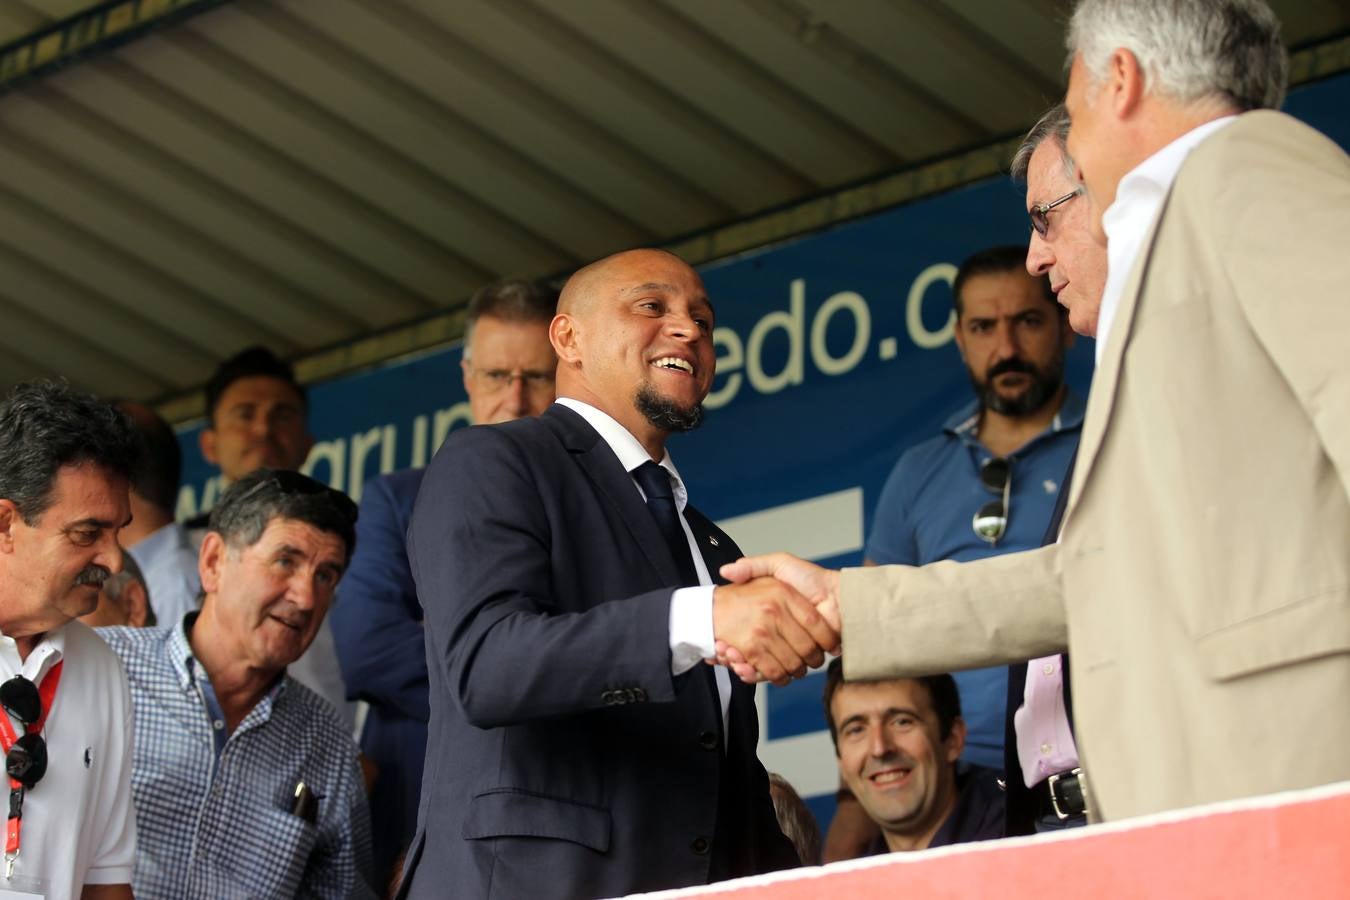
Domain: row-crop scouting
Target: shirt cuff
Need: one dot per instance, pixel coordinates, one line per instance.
(691, 627)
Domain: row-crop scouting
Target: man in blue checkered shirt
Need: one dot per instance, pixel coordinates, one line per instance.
(245, 782)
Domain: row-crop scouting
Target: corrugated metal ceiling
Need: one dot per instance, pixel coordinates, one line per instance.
(305, 172)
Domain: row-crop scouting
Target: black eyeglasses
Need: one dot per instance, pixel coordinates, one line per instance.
(991, 520)
(1040, 213)
(26, 761)
(290, 482)
(497, 380)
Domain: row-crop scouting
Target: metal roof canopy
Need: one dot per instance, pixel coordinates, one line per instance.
(316, 174)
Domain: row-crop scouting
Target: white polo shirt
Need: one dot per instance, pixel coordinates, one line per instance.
(78, 823)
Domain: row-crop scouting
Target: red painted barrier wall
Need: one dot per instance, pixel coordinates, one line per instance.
(1288, 846)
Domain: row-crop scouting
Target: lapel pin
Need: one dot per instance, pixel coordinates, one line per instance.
(712, 540)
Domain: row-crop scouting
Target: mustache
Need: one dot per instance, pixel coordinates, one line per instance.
(1010, 365)
(93, 574)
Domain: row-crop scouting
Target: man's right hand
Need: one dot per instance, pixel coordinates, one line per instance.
(819, 586)
(776, 630)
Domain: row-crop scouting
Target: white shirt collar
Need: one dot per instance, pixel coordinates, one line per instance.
(47, 653)
(627, 448)
(1127, 221)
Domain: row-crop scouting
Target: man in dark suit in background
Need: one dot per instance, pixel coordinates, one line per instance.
(377, 622)
(579, 746)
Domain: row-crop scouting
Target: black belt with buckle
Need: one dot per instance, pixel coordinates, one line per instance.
(1067, 793)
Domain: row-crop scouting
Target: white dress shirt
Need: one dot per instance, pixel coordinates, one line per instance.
(1128, 220)
(691, 624)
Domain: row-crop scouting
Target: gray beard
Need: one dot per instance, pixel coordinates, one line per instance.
(662, 412)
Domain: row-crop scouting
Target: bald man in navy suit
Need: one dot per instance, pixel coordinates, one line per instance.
(579, 745)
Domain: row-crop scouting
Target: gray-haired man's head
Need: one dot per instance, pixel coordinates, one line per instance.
(1061, 244)
(509, 365)
(1145, 72)
(275, 549)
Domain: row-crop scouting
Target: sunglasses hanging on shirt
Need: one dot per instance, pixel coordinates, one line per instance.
(26, 757)
(26, 754)
(991, 520)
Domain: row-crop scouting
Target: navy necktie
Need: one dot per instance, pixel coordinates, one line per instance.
(655, 483)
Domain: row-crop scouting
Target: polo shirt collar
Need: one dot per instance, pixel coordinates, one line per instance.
(46, 653)
(1070, 416)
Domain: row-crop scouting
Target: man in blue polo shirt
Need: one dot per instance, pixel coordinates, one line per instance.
(987, 484)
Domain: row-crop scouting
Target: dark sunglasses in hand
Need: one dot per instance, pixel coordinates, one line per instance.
(991, 520)
(26, 761)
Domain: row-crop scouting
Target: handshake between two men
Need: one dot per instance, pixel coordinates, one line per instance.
(777, 618)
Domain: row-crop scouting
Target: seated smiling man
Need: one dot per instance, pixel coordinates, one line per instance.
(897, 742)
(245, 782)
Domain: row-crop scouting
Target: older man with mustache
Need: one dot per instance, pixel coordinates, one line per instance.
(65, 461)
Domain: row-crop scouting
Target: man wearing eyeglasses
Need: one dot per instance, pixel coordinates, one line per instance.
(246, 782)
(1062, 246)
(508, 370)
(1202, 576)
(508, 362)
(987, 484)
(66, 459)
(1046, 785)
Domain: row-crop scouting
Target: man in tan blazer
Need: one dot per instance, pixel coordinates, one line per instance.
(1202, 578)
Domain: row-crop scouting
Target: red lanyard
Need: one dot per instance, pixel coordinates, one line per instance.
(47, 692)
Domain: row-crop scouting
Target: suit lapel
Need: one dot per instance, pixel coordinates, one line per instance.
(1102, 396)
(615, 485)
(713, 544)
(602, 467)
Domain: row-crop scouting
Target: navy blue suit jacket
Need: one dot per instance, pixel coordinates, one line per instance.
(564, 759)
(377, 627)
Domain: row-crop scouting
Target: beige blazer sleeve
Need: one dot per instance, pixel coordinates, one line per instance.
(1291, 283)
(901, 621)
